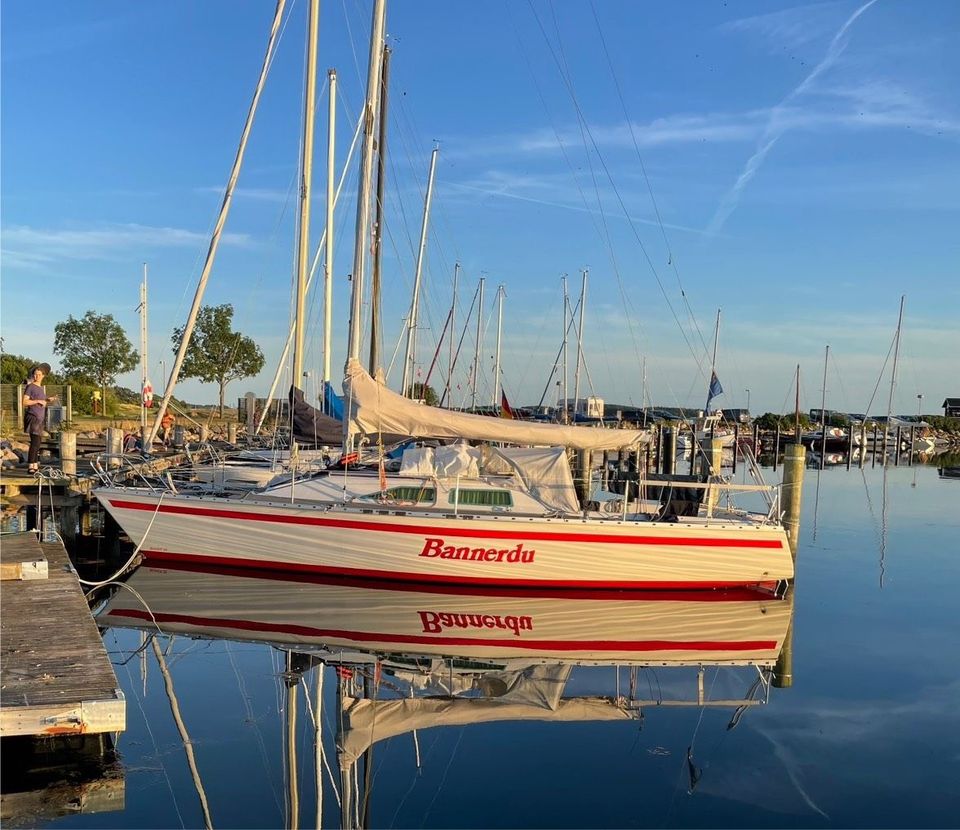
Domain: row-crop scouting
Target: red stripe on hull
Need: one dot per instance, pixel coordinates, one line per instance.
(461, 531)
(273, 573)
(438, 579)
(421, 639)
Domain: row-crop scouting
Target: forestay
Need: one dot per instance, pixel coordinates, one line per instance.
(376, 409)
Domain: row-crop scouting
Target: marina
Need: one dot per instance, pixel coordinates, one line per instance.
(561, 489)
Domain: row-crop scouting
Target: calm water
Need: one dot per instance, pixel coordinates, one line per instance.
(868, 735)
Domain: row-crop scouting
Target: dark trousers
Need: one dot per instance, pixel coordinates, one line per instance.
(35, 438)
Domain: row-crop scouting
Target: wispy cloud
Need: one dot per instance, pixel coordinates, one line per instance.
(787, 28)
(260, 194)
(776, 126)
(32, 248)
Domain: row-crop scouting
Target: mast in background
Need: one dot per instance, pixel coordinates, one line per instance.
(576, 374)
(496, 364)
(328, 234)
(410, 358)
(375, 321)
(146, 390)
(476, 357)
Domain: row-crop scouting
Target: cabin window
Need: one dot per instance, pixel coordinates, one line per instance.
(409, 495)
(481, 498)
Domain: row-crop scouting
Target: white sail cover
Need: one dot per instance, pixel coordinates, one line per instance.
(375, 408)
(545, 472)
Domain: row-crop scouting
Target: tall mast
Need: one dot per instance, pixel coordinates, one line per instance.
(410, 358)
(896, 356)
(218, 228)
(476, 358)
(566, 305)
(453, 326)
(496, 365)
(576, 374)
(796, 408)
(823, 397)
(366, 170)
(378, 227)
(713, 362)
(143, 352)
(328, 233)
(306, 184)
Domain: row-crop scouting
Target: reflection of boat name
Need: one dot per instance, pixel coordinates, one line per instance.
(435, 621)
(436, 547)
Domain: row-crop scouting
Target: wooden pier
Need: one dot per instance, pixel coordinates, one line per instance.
(55, 676)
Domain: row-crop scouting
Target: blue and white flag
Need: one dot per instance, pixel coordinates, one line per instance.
(715, 389)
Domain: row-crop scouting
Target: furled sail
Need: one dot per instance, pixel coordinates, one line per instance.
(375, 408)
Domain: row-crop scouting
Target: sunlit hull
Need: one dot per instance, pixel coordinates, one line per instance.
(444, 549)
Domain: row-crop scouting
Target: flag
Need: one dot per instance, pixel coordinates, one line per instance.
(505, 410)
(715, 389)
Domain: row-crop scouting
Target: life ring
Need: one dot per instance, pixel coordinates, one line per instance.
(147, 394)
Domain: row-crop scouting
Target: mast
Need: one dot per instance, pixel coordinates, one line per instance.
(144, 382)
(823, 415)
(893, 377)
(366, 169)
(218, 228)
(476, 358)
(713, 363)
(453, 327)
(306, 184)
(796, 408)
(496, 365)
(566, 305)
(328, 234)
(410, 358)
(576, 374)
(378, 226)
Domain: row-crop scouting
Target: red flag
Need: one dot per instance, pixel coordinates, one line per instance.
(505, 410)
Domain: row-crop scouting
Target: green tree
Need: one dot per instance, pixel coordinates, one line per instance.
(14, 368)
(424, 392)
(217, 352)
(94, 348)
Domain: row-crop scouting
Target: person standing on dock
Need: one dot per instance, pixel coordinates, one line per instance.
(35, 401)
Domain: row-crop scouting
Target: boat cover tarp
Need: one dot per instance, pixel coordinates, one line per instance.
(544, 471)
(310, 426)
(332, 402)
(375, 408)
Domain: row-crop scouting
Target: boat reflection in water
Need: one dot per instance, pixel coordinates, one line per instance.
(411, 659)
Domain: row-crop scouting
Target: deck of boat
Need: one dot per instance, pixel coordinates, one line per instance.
(55, 676)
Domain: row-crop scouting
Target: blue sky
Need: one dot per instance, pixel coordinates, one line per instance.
(803, 160)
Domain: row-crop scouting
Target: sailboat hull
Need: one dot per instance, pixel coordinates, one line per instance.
(510, 552)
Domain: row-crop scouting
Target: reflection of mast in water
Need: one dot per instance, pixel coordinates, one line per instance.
(816, 501)
(184, 736)
(883, 526)
(292, 683)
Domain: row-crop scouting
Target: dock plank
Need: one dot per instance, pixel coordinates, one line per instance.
(55, 676)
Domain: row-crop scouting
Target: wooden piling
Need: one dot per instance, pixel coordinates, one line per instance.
(669, 451)
(114, 445)
(794, 462)
(232, 433)
(68, 452)
(712, 468)
(179, 436)
(776, 449)
(896, 448)
(783, 670)
(873, 459)
(913, 437)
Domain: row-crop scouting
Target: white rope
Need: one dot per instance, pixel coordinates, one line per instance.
(133, 555)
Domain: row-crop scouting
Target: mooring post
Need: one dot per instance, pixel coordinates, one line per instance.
(873, 458)
(232, 433)
(849, 446)
(896, 447)
(794, 462)
(670, 451)
(713, 472)
(114, 446)
(68, 453)
(913, 438)
(179, 436)
(776, 449)
(783, 670)
(582, 476)
(251, 401)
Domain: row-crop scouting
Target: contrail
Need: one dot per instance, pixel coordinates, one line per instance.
(775, 126)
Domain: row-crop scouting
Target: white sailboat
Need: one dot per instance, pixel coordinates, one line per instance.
(459, 514)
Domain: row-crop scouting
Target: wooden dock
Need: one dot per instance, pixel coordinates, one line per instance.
(55, 676)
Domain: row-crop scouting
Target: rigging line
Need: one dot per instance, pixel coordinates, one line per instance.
(883, 369)
(623, 207)
(352, 42)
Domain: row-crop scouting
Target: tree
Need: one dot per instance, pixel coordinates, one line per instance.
(94, 349)
(14, 368)
(216, 352)
(424, 392)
